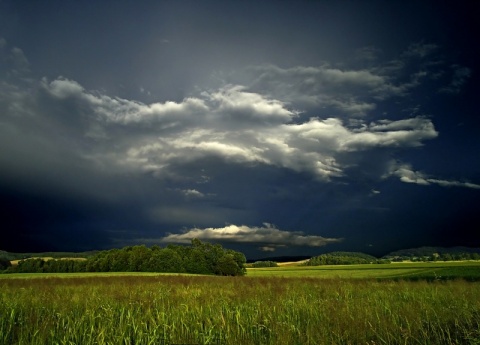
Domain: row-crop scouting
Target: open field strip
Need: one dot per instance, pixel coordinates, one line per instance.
(88, 275)
(433, 270)
(46, 258)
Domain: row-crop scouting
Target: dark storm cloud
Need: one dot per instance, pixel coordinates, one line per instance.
(191, 124)
(356, 91)
(86, 137)
(234, 125)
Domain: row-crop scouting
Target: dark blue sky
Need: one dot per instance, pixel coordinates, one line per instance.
(272, 127)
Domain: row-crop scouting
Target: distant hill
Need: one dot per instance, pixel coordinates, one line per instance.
(421, 251)
(354, 255)
(456, 253)
(344, 258)
(281, 259)
(335, 255)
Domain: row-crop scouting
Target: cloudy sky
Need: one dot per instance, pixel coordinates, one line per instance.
(271, 127)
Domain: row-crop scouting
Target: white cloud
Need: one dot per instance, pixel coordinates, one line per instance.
(243, 125)
(407, 175)
(234, 103)
(232, 124)
(266, 234)
(351, 91)
(322, 86)
(403, 133)
(331, 134)
(122, 111)
(192, 193)
(446, 183)
(267, 249)
(353, 106)
(63, 88)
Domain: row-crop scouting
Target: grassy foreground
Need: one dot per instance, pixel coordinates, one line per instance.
(136, 309)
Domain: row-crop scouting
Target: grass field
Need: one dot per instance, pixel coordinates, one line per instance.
(469, 270)
(324, 306)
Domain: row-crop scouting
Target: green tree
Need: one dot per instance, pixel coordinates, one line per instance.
(166, 260)
(227, 266)
(446, 257)
(30, 266)
(4, 264)
(196, 262)
(138, 259)
(119, 260)
(240, 260)
(258, 264)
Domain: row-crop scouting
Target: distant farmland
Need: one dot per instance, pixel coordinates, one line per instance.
(469, 270)
(15, 262)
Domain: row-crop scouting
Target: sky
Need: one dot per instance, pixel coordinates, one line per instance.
(271, 127)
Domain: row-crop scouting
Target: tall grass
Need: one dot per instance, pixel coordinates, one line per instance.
(237, 310)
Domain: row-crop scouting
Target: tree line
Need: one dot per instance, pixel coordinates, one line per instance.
(344, 258)
(4, 263)
(266, 263)
(435, 254)
(199, 258)
(439, 257)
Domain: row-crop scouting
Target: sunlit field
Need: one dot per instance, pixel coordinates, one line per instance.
(330, 308)
(469, 270)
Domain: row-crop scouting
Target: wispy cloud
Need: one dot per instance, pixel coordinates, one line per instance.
(19, 60)
(192, 193)
(408, 175)
(350, 91)
(459, 76)
(14, 59)
(420, 50)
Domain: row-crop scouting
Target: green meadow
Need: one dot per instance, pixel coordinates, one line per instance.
(469, 270)
(404, 303)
